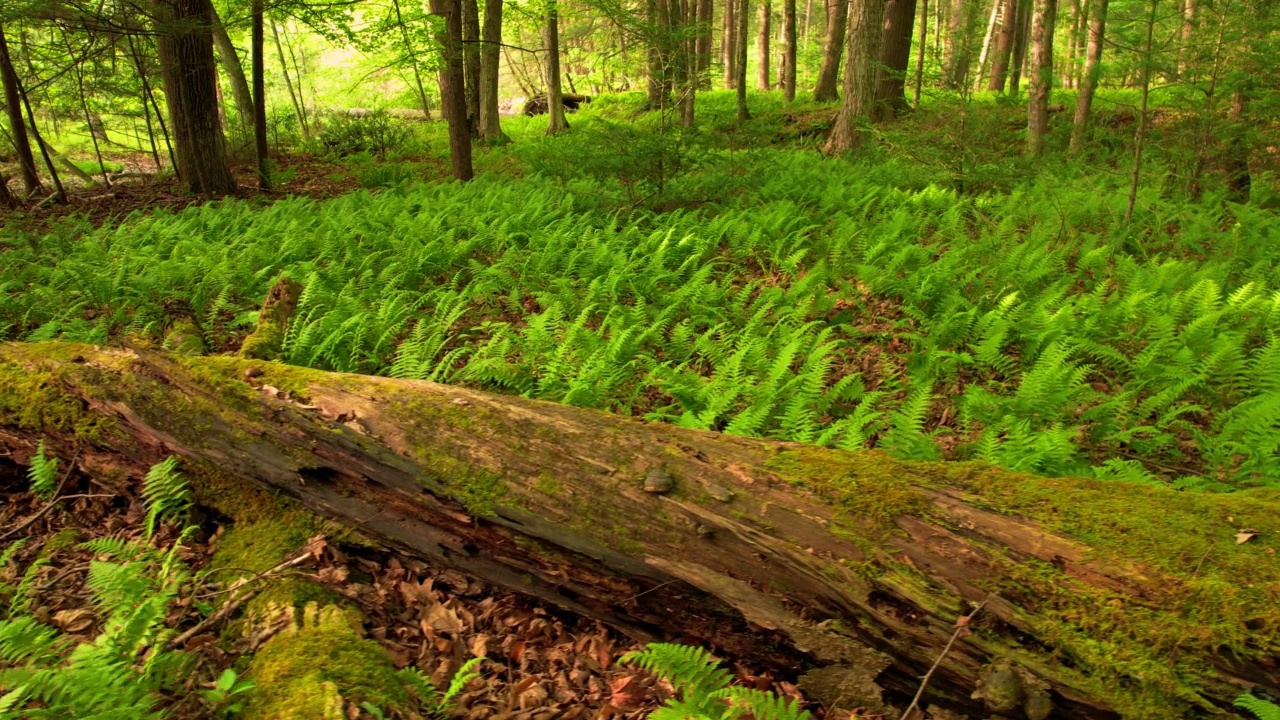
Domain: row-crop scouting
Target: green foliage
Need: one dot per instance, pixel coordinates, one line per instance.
(703, 687)
(165, 494)
(43, 473)
(373, 132)
(1262, 709)
(431, 700)
(223, 698)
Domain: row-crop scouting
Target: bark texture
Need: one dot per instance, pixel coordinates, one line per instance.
(490, 58)
(787, 73)
(1004, 46)
(1092, 72)
(740, 48)
(257, 52)
(453, 93)
(729, 45)
(960, 38)
(832, 50)
(764, 31)
(184, 39)
(706, 10)
(845, 569)
(234, 69)
(861, 68)
(895, 55)
(17, 126)
(1041, 72)
(471, 62)
(556, 121)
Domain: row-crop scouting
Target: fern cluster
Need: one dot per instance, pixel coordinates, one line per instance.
(1032, 329)
(703, 688)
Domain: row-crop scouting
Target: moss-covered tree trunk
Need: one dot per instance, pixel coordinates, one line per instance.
(848, 569)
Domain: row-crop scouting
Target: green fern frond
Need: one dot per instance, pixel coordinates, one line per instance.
(165, 493)
(43, 473)
(1262, 709)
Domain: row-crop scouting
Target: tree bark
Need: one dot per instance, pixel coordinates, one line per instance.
(556, 121)
(960, 39)
(258, 60)
(658, 55)
(471, 62)
(17, 125)
(1069, 57)
(740, 84)
(787, 74)
(832, 51)
(1092, 72)
(846, 570)
(184, 38)
(862, 56)
(895, 56)
(729, 45)
(1041, 72)
(231, 65)
(764, 80)
(702, 46)
(987, 37)
(453, 99)
(1021, 31)
(1187, 50)
(490, 120)
(1004, 46)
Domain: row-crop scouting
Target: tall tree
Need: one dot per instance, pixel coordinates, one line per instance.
(702, 47)
(740, 82)
(1021, 32)
(257, 59)
(1073, 34)
(729, 44)
(959, 49)
(1041, 72)
(453, 100)
(658, 18)
(1004, 45)
(763, 33)
(1140, 133)
(832, 50)
(862, 61)
(1186, 51)
(410, 53)
(17, 126)
(555, 96)
(1092, 72)
(921, 46)
(895, 55)
(299, 109)
(787, 73)
(234, 70)
(471, 62)
(992, 22)
(184, 39)
(490, 120)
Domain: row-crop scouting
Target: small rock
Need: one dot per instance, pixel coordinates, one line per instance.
(252, 372)
(1039, 705)
(658, 481)
(723, 494)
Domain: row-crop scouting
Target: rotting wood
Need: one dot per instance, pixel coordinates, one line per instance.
(851, 566)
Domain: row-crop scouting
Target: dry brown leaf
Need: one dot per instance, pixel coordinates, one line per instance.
(74, 621)
(443, 619)
(628, 692)
(1245, 536)
(480, 646)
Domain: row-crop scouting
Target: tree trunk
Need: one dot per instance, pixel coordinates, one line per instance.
(298, 112)
(658, 17)
(258, 60)
(184, 38)
(1004, 46)
(740, 67)
(763, 33)
(787, 76)
(471, 62)
(555, 96)
(17, 125)
(1092, 72)
(453, 99)
(702, 47)
(686, 61)
(921, 45)
(845, 571)
(987, 36)
(729, 46)
(1187, 50)
(895, 55)
(1041, 72)
(1069, 58)
(960, 33)
(832, 50)
(234, 69)
(7, 198)
(1239, 179)
(1140, 133)
(862, 62)
(1021, 31)
(490, 121)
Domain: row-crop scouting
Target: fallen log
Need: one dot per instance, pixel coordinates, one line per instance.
(849, 570)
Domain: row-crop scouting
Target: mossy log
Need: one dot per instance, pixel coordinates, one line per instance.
(849, 569)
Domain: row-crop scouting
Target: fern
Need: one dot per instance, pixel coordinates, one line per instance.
(1262, 709)
(165, 494)
(43, 473)
(704, 689)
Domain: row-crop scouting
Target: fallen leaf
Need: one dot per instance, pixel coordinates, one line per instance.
(480, 646)
(443, 619)
(1245, 536)
(74, 621)
(628, 693)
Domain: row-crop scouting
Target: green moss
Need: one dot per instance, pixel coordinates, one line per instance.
(61, 540)
(547, 485)
(250, 548)
(264, 343)
(184, 337)
(307, 671)
(32, 398)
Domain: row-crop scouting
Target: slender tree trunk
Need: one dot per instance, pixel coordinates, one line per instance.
(1187, 51)
(862, 55)
(490, 120)
(744, 9)
(1140, 133)
(293, 95)
(960, 45)
(788, 74)
(555, 97)
(921, 45)
(763, 34)
(88, 117)
(658, 56)
(832, 50)
(46, 152)
(234, 69)
(1239, 179)
(729, 46)
(453, 100)
(1022, 32)
(686, 58)
(1092, 72)
(258, 60)
(1069, 58)
(1041, 72)
(702, 47)
(17, 125)
(471, 62)
(1004, 45)
(895, 55)
(409, 51)
(986, 44)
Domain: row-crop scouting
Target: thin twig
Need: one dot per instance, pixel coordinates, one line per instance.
(924, 683)
(49, 505)
(236, 600)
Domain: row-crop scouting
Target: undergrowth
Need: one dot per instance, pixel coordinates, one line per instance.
(818, 301)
